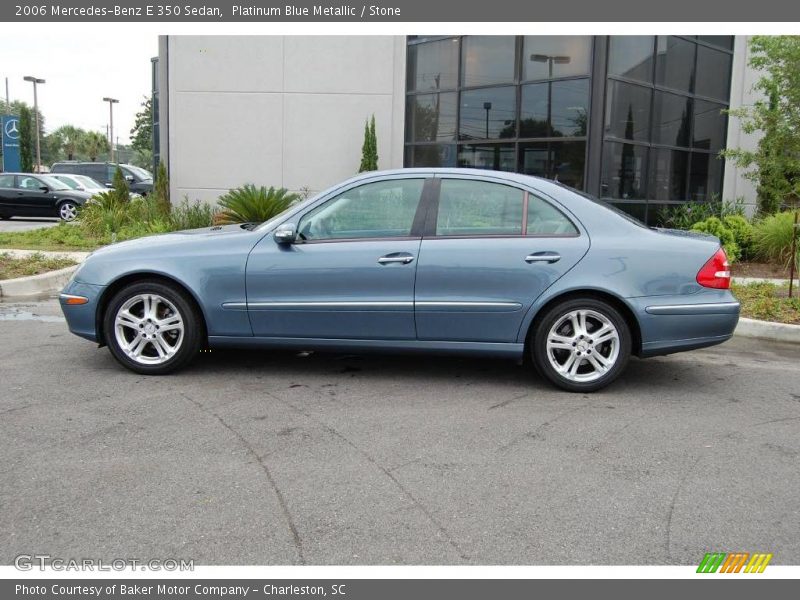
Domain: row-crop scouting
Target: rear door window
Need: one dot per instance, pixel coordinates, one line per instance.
(479, 208)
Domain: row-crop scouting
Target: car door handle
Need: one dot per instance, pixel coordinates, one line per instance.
(545, 257)
(397, 257)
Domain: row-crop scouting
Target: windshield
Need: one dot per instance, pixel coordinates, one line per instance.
(52, 182)
(89, 183)
(71, 183)
(139, 172)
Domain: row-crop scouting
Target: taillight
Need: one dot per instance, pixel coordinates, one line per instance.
(716, 272)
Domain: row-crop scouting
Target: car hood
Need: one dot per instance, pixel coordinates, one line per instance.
(154, 243)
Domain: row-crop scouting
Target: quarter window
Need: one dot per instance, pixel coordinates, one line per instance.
(545, 219)
(6, 181)
(383, 209)
(469, 207)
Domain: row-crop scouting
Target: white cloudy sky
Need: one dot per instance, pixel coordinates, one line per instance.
(80, 70)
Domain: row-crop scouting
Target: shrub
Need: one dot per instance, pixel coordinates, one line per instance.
(742, 234)
(717, 228)
(772, 238)
(121, 190)
(684, 216)
(161, 190)
(104, 214)
(192, 215)
(249, 204)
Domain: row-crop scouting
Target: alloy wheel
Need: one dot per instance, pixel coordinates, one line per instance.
(149, 329)
(68, 211)
(583, 345)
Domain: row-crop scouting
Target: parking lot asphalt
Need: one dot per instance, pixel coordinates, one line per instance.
(26, 223)
(279, 458)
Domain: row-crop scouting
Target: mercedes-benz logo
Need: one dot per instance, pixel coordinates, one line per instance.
(12, 129)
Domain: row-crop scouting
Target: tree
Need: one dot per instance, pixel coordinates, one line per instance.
(122, 192)
(142, 132)
(26, 140)
(774, 166)
(72, 139)
(369, 149)
(161, 190)
(94, 144)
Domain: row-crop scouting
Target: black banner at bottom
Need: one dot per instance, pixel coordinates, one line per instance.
(392, 589)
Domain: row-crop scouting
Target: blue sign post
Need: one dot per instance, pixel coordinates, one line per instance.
(11, 160)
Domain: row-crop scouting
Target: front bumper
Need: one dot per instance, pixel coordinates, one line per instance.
(81, 318)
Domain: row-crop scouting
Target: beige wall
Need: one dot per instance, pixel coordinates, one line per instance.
(279, 110)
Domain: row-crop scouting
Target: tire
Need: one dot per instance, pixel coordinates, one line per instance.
(565, 347)
(67, 210)
(147, 309)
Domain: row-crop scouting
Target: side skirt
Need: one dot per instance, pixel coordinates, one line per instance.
(512, 351)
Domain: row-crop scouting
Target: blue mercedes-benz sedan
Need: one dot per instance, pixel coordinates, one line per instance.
(416, 260)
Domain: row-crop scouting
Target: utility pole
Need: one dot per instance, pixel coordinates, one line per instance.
(36, 81)
(8, 102)
(111, 103)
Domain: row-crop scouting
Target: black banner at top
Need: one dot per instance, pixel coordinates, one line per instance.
(400, 11)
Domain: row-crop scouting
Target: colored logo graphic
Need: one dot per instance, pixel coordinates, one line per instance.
(734, 562)
(12, 129)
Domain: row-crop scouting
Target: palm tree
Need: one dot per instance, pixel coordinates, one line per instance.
(94, 144)
(72, 137)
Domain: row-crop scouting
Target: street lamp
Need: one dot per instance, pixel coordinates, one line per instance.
(487, 106)
(35, 81)
(111, 103)
(550, 60)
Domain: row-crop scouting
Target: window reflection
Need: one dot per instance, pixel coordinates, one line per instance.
(548, 56)
(432, 117)
(631, 56)
(628, 111)
(433, 65)
(675, 63)
(488, 114)
(671, 119)
(497, 157)
(623, 174)
(488, 60)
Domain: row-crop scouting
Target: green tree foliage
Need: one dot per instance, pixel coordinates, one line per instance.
(142, 132)
(72, 140)
(26, 140)
(369, 149)
(122, 192)
(161, 190)
(774, 165)
(772, 238)
(717, 228)
(93, 144)
(249, 204)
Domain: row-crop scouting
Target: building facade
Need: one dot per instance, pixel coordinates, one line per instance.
(636, 120)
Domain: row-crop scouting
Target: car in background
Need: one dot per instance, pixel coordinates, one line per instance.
(140, 181)
(81, 183)
(415, 260)
(29, 195)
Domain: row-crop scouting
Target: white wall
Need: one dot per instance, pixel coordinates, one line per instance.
(743, 77)
(279, 110)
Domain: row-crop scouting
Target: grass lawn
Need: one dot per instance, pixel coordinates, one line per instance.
(768, 302)
(11, 268)
(61, 237)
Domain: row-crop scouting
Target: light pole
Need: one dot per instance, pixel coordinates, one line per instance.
(111, 103)
(550, 60)
(487, 106)
(35, 81)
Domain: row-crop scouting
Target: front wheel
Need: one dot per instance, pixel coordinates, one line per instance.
(67, 211)
(152, 328)
(581, 345)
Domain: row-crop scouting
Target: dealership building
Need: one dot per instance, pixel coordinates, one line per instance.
(636, 120)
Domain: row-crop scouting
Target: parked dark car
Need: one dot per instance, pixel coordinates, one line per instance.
(27, 195)
(139, 180)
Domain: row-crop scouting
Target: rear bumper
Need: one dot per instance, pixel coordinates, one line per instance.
(671, 324)
(81, 318)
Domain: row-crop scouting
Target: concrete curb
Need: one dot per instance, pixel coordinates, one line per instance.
(36, 285)
(766, 330)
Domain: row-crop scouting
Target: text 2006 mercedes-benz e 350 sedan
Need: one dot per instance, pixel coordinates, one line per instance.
(422, 260)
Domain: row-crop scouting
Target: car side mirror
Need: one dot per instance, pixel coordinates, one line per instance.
(44, 188)
(109, 184)
(286, 233)
(129, 178)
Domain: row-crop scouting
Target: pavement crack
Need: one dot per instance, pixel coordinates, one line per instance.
(507, 402)
(387, 472)
(777, 421)
(298, 544)
(670, 512)
(534, 433)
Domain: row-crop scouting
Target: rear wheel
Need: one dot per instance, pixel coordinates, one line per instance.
(152, 328)
(581, 345)
(67, 210)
